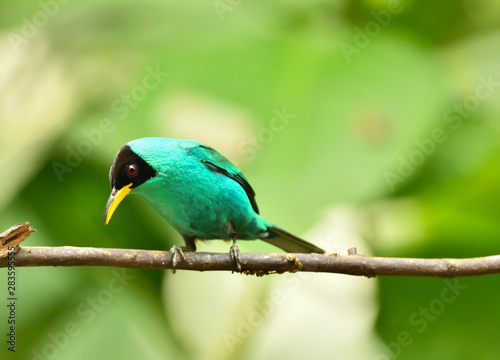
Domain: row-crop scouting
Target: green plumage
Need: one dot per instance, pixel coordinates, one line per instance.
(203, 195)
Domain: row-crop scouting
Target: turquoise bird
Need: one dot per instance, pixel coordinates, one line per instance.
(198, 191)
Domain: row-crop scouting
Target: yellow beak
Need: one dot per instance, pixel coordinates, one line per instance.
(114, 200)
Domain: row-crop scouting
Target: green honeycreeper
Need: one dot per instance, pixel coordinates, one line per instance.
(198, 191)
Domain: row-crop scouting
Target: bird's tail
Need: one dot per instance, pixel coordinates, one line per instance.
(288, 242)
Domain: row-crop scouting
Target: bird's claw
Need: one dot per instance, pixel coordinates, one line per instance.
(176, 251)
(234, 254)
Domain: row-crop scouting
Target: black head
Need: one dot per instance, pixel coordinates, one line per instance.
(129, 168)
(128, 171)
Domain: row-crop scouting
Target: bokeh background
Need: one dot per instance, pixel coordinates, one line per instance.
(372, 124)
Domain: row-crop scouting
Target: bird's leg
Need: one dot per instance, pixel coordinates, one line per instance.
(234, 254)
(179, 251)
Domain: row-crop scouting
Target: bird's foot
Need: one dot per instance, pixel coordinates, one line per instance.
(234, 254)
(176, 252)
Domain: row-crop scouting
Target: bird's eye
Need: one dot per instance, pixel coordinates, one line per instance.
(132, 170)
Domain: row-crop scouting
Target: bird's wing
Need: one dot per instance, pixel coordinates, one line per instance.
(218, 163)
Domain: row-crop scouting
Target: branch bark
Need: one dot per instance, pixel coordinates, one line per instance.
(251, 263)
(256, 263)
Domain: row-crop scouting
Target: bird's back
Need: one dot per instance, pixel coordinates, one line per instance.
(194, 198)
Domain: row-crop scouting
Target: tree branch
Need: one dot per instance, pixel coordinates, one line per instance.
(256, 263)
(251, 263)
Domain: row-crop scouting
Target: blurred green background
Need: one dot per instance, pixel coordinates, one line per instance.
(370, 123)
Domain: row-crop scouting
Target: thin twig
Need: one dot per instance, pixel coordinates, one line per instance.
(256, 263)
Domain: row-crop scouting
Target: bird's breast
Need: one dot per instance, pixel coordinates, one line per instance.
(198, 202)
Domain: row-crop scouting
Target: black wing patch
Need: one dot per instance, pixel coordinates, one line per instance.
(239, 179)
(218, 163)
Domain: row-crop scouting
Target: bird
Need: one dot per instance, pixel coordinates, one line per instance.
(199, 192)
